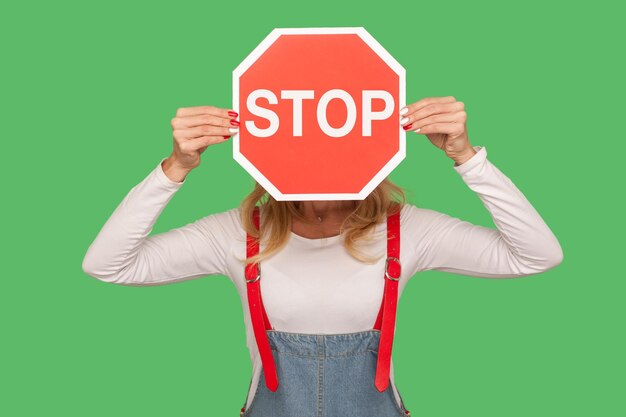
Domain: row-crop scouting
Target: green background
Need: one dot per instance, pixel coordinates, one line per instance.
(88, 91)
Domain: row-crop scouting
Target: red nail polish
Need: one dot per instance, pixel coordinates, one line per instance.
(233, 114)
(226, 137)
(234, 122)
(407, 127)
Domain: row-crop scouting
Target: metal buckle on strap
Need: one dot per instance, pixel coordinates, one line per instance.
(250, 281)
(393, 258)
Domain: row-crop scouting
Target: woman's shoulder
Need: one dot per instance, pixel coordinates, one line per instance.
(414, 217)
(226, 223)
(410, 210)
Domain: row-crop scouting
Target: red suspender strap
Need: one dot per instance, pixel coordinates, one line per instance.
(386, 320)
(260, 322)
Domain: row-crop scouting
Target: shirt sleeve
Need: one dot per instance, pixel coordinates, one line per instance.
(520, 245)
(124, 253)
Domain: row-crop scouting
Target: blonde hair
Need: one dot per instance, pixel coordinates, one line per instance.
(276, 219)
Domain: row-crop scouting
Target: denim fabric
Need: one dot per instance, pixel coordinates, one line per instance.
(330, 375)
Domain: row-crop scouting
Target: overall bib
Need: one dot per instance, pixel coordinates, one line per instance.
(326, 375)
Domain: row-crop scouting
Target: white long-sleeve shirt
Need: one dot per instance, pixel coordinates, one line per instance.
(314, 285)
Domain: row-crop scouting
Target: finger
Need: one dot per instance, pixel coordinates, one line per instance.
(447, 128)
(201, 143)
(204, 130)
(432, 109)
(202, 119)
(457, 117)
(212, 110)
(412, 108)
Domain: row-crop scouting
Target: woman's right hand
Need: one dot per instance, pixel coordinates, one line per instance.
(195, 129)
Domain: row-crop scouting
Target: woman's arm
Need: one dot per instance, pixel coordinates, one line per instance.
(123, 253)
(521, 245)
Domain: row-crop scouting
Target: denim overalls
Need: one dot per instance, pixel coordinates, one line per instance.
(326, 375)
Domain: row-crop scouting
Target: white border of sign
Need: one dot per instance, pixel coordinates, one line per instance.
(384, 55)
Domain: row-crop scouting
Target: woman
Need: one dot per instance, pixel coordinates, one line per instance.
(322, 261)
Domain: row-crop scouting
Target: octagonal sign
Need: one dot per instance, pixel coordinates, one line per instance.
(319, 111)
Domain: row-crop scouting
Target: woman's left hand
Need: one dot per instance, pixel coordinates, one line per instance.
(442, 120)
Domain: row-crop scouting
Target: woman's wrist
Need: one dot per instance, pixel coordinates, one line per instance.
(174, 171)
(464, 156)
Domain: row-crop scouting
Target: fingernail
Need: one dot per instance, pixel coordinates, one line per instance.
(403, 121)
(417, 130)
(407, 127)
(233, 113)
(403, 111)
(233, 130)
(234, 122)
(226, 137)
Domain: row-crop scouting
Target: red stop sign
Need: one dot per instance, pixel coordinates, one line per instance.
(319, 111)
